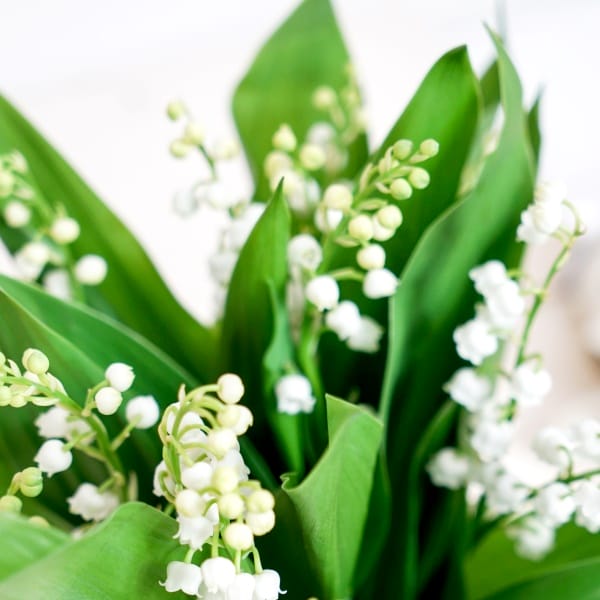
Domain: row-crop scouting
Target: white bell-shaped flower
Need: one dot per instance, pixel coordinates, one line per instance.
(230, 388)
(448, 468)
(367, 337)
(57, 283)
(92, 504)
(344, 319)
(218, 574)
(550, 192)
(16, 214)
(530, 384)
(162, 479)
(469, 389)
(586, 438)
(323, 291)
(474, 341)
(91, 269)
(505, 305)
(371, 257)
(143, 411)
(233, 458)
(57, 423)
(52, 458)
(184, 577)
(379, 283)
(490, 439)
(304, 253)
(108, 400)
(64, 230)
(222, 440)
(194, 531)
(505, 494)
(327, 219)
(555, 504)
(236, 417)
(488, 276)
(553, 445)
(338, 196)
(294, 394)
(260, 522)
(119, 376)
(587, 499)
(533, 538)
(267, 585)
(241, 588)
(198, 476)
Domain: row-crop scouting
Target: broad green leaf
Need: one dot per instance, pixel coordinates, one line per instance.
(305, 52)
(133, 288)
(436, 295)
(484, 579)
(24, 543)
(125, 557)
(580, 580)
(451, 79)
(332, 503)
(248, 322)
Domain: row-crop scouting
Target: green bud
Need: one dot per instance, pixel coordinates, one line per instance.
(31, 482)
(179, 148)
(175, 110)
(400, 189)
(429, 147)
(419, 178)
(35, 361)
(40, 521)
(10, 504)
(5, 396)
(7, 183)
(402, 149)
(18, 400)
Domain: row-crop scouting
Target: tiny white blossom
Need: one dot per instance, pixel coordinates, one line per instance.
(379, 283)
(312, 157)
(488, 276)
(304, 253)
(194, 531)
(448, 468)
(218, 574)
(262, 522)
(57, 422)
(181, 576)
(16, 214)
(533, 538)
(469, 389)
(586, 438)
(198, 476)
(236, 417)
(91, 269)
(143, 411)
(338, 196)
(58, 283)
(381, 233)
(284, 139)
(238, 536)
(552, 445)
(267, 585)
(221, 441)
(242, 587)
(367, 337)
(344, 319)
(294, 394)
(323, 291)
(92, 504)
(327, 219)
(505, 494)
(162, 478)
(230, 388)
(119, 376)
(550, 192)
(64, 230)
(474, 342)
(554, 504)
(108, 400)
(371, 257)
(530, 384)
(490, 439)
(276, 163)
(505, 305)
(587, 499)
(52, 458)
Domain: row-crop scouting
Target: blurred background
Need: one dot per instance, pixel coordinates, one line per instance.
(95, 78)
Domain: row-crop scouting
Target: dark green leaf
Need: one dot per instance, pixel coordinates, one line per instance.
(305, 52)
(133, 289)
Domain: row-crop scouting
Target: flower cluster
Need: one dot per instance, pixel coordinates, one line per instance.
(501, 380)
(47, 233)
(203, 475)
(67, 426)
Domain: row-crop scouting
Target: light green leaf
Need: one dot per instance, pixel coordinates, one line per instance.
(436, 295)
(305, 52)
(332, 503)
(24, 543)
(125, 557)
(133, 289)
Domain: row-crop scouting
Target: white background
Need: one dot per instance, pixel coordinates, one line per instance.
(95, 77)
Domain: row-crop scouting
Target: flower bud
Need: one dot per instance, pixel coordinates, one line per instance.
(194, 133)
(35, 361)
(198, 476)
(175, 109)
(260, 501)
(324, 97)
(231, 505)
(344, 319)
(36, 253)
(312, 157)
(16, 214)
(230, 388)
(419, 178)
(381, 233)
(429, 147)
(389, 216)
(5, 395)
(225, 149)
(30, 482)
(236, 417)
(400, 189)
(402, 149)
(220, 441)
(323, 291)
(7, 182)
(261, 523)
(361, 228)
(38, 521)
(64, 230)
(10, 504)
(238, 536)
(91, 269)
(179, 148)
(276, 163)
(119, 376)
(57, 283)
(225, 479)
(379, 283)
(143, 411)
(304, 252)
(284, 139)
(190, 503)
(108, 400)
(52, 458)
(338, 196)
(371, 257)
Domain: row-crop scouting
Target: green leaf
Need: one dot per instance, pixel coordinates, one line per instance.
(484, 579)
(248, 321)
(24, 543)
(125, 557)
(580, 580)
(133, 288)
(332, 503)
(451, 79)
(436, 295)
(305, 52)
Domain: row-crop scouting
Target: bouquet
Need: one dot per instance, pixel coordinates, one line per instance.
(341, 430)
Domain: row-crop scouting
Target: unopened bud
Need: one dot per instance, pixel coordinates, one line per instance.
(389, 216)
(35, 361)
(419, 178)
(402, 149)
(361, 228)
(400, 189)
